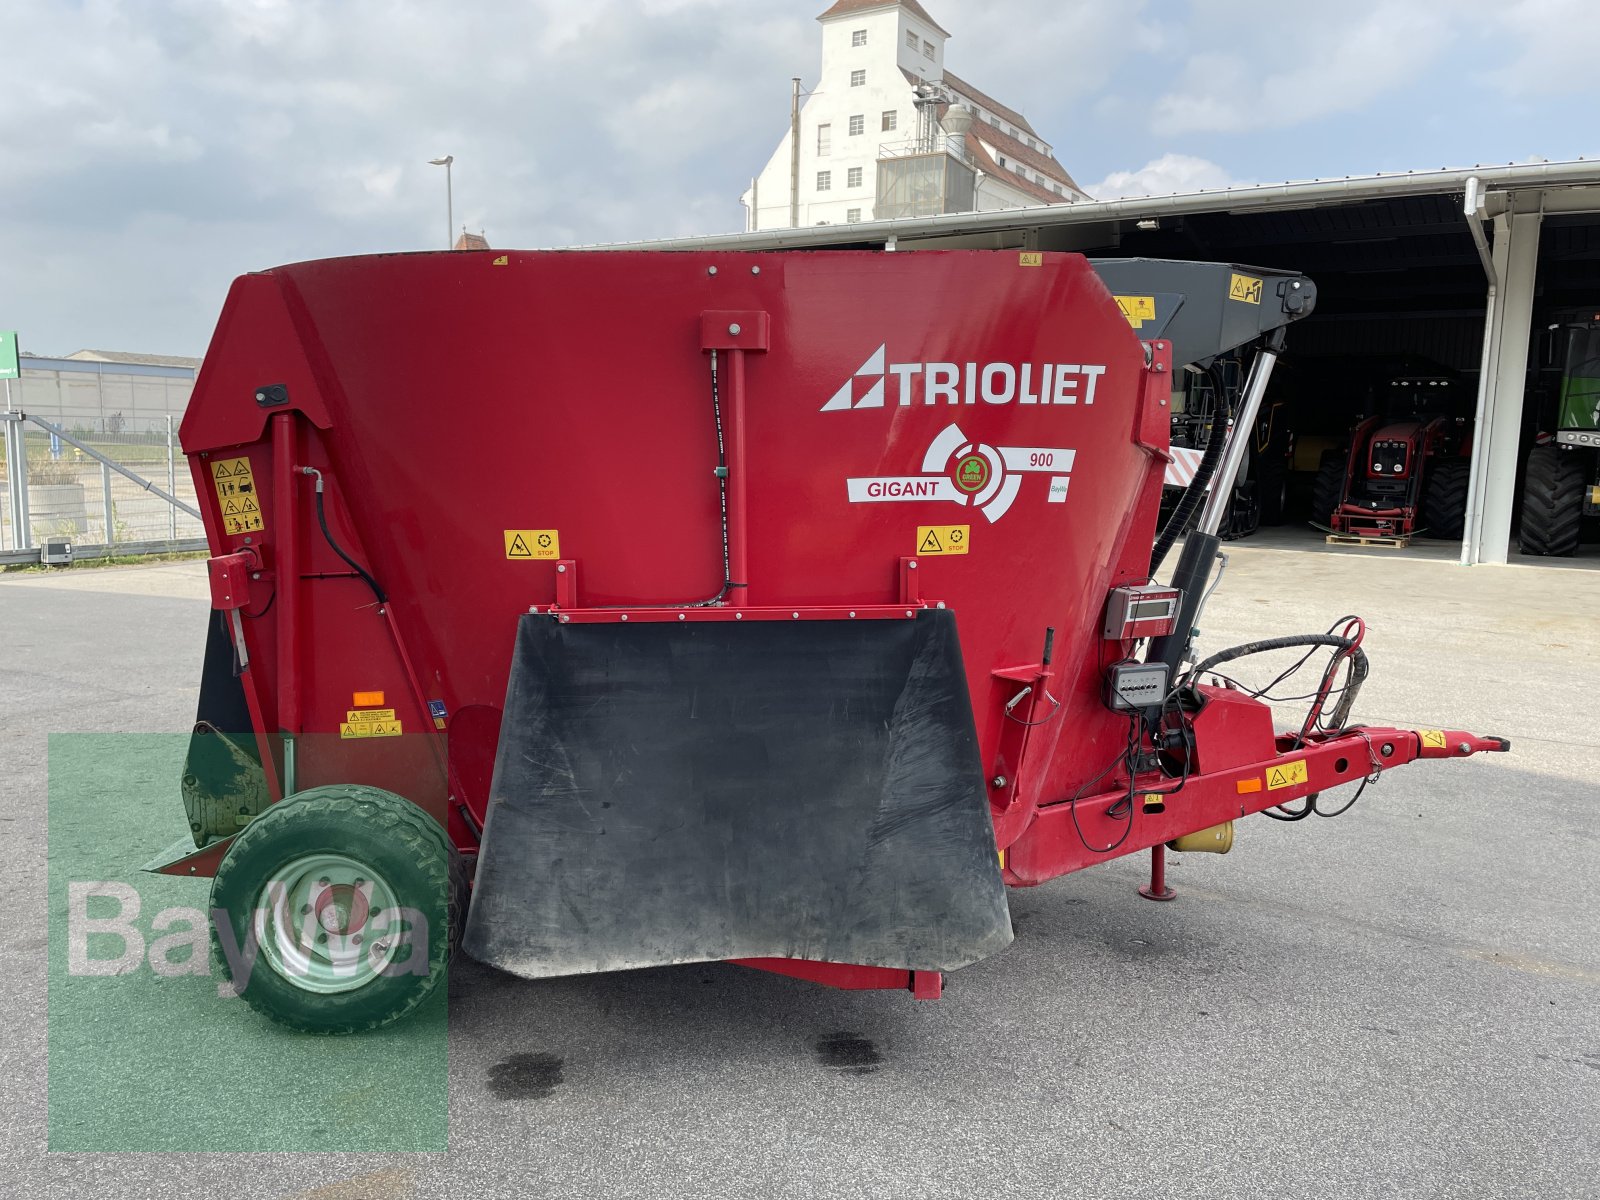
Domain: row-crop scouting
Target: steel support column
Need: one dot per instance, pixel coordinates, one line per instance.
(1498, 432)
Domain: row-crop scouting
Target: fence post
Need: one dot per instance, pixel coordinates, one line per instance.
(13, 479)
(172, 484)
(105, 491)
(17, 478)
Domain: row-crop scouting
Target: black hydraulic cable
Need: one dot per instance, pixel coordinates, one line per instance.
(322, 520)
(1277, 643)
(1194, 494)
(722, 483)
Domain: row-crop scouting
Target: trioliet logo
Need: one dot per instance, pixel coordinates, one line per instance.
(932, 383)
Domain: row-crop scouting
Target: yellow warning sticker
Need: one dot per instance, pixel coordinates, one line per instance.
(1246, 288)
(1030, 258)
(533, 544)
(943, 539)
(369, 729)
(1138, 309)
(369, 716)
(237, 496)
(1432, 737)
(1287, 775)
(503, 260)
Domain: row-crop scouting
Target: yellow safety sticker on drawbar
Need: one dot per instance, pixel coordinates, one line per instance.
(1287, 775)
(237, 495)
(1432, 737)
(1030, 258)
(533, 544)
(943, 539)
(369, 716)
(1246, 288)
(370, 729)
(1138, 309)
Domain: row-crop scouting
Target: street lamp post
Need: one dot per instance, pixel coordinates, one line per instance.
(449, 199)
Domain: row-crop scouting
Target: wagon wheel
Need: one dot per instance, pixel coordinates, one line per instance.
(349, 899)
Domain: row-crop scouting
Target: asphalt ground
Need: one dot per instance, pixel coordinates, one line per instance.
(1399, 1002)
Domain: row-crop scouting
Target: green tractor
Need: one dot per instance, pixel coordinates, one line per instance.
(1561, 484)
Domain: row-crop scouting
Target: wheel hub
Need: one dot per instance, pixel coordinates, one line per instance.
(324, 923)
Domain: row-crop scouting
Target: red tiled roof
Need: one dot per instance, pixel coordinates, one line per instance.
(1039, 160)
(843, 8)
(471, 241)
(986, 101)
(1045, 164)
(1007, 176)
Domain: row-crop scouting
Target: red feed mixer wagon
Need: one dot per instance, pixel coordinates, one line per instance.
(606, 610)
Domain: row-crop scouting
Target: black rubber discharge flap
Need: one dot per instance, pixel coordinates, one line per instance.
(692, 791)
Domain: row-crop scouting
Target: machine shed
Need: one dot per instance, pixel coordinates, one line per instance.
(1455, 274)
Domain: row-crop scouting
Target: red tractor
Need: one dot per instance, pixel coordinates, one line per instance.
(1403, 475)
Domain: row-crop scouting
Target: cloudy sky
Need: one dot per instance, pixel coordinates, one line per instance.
(150, 150)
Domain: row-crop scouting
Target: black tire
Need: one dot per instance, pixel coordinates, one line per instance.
(396, 843)
(1272, 488)
(1444, 498)
(1552, 502)
(1328, 491)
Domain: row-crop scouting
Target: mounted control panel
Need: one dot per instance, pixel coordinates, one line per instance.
(1132, 686)
(1141, 611)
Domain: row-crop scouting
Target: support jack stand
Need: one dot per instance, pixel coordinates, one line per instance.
(1157, 888)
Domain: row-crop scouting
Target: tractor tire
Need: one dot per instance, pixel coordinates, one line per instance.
(1552, 502)
(344, 904)
(1272, 489)
(1444, 498)
(1328, 491)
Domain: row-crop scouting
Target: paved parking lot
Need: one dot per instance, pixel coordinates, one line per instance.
(1399, 1002)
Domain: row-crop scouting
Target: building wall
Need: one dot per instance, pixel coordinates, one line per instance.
(835, 100)
(101, 398)
(832, 102)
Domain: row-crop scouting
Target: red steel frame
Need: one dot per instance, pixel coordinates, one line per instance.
(365, 428)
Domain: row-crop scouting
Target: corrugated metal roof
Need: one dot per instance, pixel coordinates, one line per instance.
(128, 357)
(1429, 193)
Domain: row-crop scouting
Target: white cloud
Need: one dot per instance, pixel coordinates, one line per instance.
(1557, 45)
(1341, 56)
(188, 141)
(1171, 173)
(1254, 65)
(1033, 53)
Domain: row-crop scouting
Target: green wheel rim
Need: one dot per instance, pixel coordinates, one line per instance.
(328, 923)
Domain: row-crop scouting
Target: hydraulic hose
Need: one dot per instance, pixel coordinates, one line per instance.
(1277, 643)
(1194, 494)
(322, 520)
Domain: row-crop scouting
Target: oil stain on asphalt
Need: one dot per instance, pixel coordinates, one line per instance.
(847, 1053)
(525, 1076)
